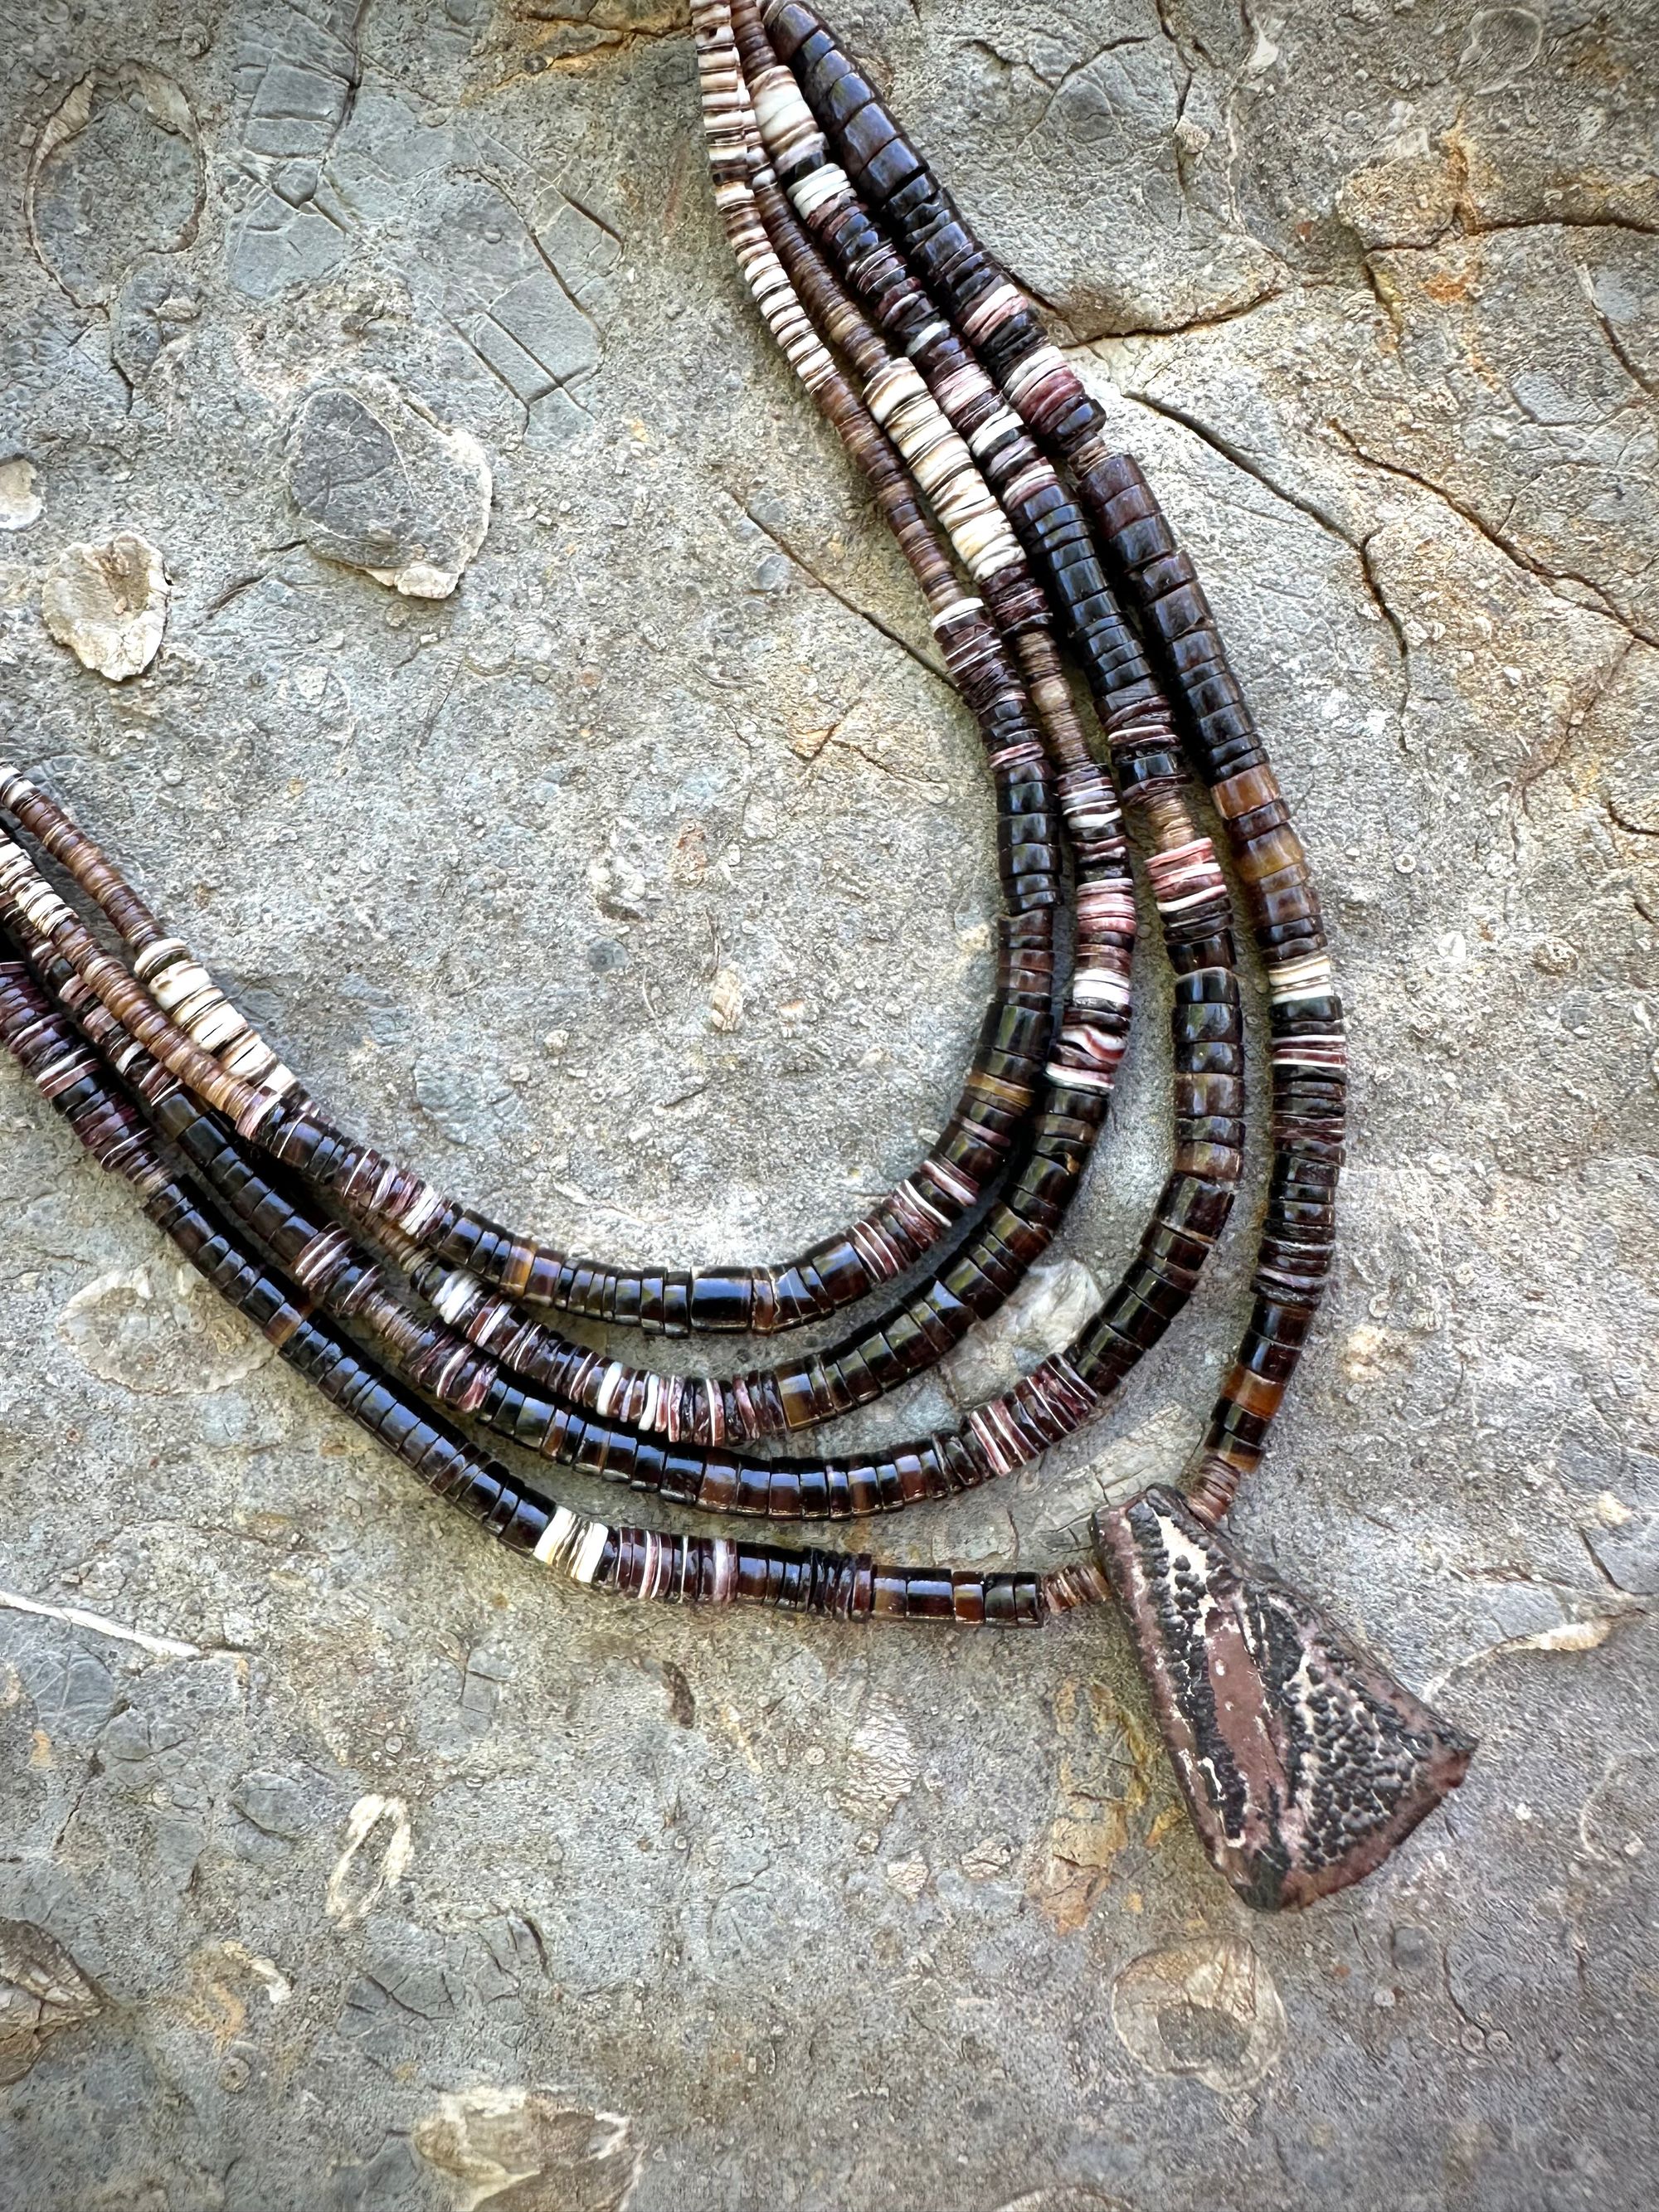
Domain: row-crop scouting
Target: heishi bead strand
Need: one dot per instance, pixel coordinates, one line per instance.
(1064, 1393)
(243, 1076)
(1014, 599)
(247, 1080)
(1147, 759)
(1302, 1762)
(988, 1126)
(942, 463)
(764, 1402)
(1042, 514)
(1308, 1056)
(631, 1561)
(231, 1066)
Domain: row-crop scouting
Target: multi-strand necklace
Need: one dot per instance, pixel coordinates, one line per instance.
(1303, 1763)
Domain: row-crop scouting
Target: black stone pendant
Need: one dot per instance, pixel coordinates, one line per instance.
(1302, 1761)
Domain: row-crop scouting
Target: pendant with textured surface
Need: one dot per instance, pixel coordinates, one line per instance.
(1303, 1761)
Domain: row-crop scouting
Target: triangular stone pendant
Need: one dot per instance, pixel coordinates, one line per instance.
(1302, 1761)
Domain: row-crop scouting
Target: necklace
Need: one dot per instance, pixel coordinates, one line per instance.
(1302, 1762)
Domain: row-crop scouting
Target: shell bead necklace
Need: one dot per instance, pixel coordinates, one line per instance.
(347, 1283)
(1308, 1056)
(1303, 1763)
(902, 1345)
(997, 1438)
(1336, 1762)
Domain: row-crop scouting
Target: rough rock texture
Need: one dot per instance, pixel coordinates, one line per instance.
(642, 890)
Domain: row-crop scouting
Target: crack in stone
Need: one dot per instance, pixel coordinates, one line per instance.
(1388, 301)
(1517, 554)
(812, 747)
(1359, 547)
(1172, 39)
(94, 1769)
(1210, 320)
(1373, 584)
(538, 344)
(1560, 222)
(1615, 344)
(353, 82)
(231, 591)
(1542, 759)
(1055, 85)
(594, 216)
(894, 637)
(1630, 829)
(1462, 226)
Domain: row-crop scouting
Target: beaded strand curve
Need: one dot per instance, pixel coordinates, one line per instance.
(1308, 1050)
(1303, 1763)
(631, 1561)
(764, 1402)
(232, 1066)
(997, 1438)
(235, 1069)
(1083, 1060)
(1005, 1435)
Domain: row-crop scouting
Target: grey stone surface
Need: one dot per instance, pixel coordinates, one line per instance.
(642, 890)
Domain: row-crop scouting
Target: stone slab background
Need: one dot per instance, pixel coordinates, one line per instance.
(640, 888)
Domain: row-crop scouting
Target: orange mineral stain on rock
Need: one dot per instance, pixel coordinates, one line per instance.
(1448, 285)
(1104, 1782)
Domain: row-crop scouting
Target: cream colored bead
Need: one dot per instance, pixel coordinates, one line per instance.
(819, 188)
(558, 1533)
(589, 1550)
(1311, 978)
